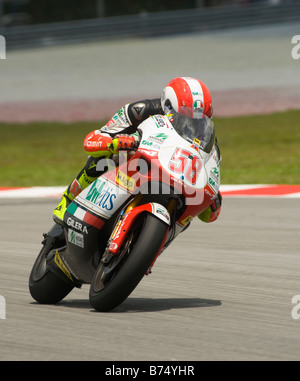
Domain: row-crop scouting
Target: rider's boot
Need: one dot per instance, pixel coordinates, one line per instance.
(73, 190)
(59, 211)
(86, 176)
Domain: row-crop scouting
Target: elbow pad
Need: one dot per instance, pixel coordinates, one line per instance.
(139, 111)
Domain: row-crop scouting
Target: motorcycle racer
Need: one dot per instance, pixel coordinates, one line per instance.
(187, 96)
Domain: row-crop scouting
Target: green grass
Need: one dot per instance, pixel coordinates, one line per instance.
(260, 149)
(42, 154)
(255, 150)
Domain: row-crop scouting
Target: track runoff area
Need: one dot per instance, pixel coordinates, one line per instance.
(282, 191)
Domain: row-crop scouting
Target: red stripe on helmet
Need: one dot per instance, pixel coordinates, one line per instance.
(184, 96)
(206, 100)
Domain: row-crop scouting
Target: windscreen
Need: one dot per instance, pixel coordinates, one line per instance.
(200, 131)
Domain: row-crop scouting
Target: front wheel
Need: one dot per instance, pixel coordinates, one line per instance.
(114, 282)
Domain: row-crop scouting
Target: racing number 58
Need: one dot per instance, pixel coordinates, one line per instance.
(184, 162)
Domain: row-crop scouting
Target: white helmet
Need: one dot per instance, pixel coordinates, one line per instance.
(187, 96)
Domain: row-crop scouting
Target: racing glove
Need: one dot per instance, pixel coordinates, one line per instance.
(97, 144)
(124, 142)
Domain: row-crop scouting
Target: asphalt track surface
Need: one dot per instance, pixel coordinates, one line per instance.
(221, 291)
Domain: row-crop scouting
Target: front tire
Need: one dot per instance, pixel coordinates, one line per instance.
(114, 282)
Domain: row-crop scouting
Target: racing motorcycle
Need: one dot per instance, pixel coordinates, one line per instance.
(116, 228)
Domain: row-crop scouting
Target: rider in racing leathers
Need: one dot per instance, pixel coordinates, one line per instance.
(185, 95)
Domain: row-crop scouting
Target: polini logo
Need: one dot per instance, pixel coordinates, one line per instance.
(2, 48)
(2, 307)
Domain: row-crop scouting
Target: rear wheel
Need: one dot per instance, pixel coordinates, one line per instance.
(45, 286)
(114, 281)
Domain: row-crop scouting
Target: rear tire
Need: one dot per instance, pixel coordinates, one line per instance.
(114, 282)
(45, 286)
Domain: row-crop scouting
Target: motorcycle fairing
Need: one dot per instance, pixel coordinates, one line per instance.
(83, 242)
(102, 198)
(83, 249)
(191, 171)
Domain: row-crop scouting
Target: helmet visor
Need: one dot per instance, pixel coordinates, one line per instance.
(200, 131)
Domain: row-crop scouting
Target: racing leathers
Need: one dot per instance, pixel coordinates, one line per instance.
(119, 133)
